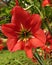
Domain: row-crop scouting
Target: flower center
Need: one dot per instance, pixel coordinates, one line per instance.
(24, 34)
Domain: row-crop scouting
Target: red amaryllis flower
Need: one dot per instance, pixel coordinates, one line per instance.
(48, 45)
(1, 45)
(46, 2)
(24, 31)
(49, 40)
(17, 2)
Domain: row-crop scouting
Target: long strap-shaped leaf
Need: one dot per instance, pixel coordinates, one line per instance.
(40, 60)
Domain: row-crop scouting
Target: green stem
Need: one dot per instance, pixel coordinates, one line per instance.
(47, 25)
(28, 7)
(36, 8)
(39, 12)
(39, 56)
(40, 60)
(36, 56)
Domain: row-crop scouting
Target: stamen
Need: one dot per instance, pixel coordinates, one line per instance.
(25, 39)
(19, 40)
(22, 27)
(24, 34)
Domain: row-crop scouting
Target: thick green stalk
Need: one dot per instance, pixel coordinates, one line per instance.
(28, 7)
(40, 60)
(39, 56)
(47, 25)
(39, 12)
(36, 56)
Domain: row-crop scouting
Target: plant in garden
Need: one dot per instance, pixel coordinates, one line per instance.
(24, 31)
(25, 28)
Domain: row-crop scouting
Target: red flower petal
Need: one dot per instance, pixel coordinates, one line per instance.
(11, 43)
(35, 22)
(46, 49)
(17, 2)
(9, 30)
(19, 16)
(35, 42)
(50, 41)
(18, 46)
(28, 52)
(51, 47)
(40, 35)
(48, 36)
(45, 2)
